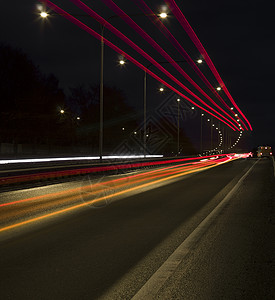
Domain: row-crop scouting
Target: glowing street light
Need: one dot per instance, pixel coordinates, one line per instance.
(219, 88)
(163, 15)
(161, 89)
(199, 61)
(122, 62)
(43, 14)
(62, 111)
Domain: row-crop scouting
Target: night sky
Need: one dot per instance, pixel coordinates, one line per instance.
(238, 36)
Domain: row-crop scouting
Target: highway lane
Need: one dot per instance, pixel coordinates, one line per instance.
(113, 251)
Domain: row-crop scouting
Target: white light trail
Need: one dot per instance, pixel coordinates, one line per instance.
(52, 159)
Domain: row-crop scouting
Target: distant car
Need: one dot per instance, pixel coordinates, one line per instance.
(264, 151)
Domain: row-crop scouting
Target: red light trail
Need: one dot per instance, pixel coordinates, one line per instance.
(15, 214)
(186, 26)
(156, 46)
(130, 58)
(156, 21)
(144, 54)
(58, 174)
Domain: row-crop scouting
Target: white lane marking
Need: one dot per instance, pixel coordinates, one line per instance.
(158, 279)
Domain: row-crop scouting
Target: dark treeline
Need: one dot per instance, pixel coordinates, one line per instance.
(28, 99)
(35, 111)
(31, 104)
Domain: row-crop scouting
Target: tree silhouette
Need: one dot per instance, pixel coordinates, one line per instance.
(117, 115)
(28, 100)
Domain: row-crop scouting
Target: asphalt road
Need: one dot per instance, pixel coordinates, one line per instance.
(114, 251)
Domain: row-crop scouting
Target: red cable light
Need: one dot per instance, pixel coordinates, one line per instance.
(156, 21)
(187, 27)
(144, 54)
(117, 49)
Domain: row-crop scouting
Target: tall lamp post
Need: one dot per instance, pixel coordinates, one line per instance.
(144, 114)
(211, 133)
(178, 100)
(202, 114)
(101, 94)
(44, 15)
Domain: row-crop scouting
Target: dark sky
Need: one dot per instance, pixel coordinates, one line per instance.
(238, 36)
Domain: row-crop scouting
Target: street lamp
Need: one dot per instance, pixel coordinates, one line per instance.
(163, 15)
(43, 14)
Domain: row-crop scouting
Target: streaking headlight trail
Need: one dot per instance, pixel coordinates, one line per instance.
(15, 214)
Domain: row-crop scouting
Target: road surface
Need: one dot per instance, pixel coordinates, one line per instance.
(203, 235)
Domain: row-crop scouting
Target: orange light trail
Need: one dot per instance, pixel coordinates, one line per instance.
(93, 170)
(70, 191)
(184, 170)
